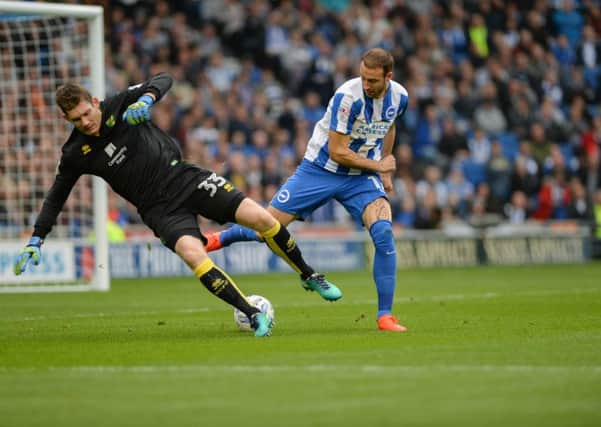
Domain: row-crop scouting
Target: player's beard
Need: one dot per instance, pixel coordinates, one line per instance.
(372, 93)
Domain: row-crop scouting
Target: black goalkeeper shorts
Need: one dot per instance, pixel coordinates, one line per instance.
(214, 198)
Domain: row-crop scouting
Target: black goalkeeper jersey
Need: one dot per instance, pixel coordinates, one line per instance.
(141, 163)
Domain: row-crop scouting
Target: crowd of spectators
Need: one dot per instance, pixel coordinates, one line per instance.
(503, 122)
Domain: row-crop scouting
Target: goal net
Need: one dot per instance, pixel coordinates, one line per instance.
(41, 47)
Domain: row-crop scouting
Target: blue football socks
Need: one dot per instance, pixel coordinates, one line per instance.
(384, 269)
(237, 233)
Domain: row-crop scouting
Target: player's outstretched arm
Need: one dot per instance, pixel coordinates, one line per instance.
(53, 203)
(32, 251)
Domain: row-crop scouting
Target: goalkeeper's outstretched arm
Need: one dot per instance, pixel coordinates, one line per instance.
(53, 204)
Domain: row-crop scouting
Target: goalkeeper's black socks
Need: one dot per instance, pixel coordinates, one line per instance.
(220, 285)
(283, 244)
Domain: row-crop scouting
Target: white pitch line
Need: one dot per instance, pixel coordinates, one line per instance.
(489, 295)
(115, 314)
(341, 369)
(485, 295)
(316, 302)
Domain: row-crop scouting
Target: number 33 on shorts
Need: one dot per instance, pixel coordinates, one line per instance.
(213, 182)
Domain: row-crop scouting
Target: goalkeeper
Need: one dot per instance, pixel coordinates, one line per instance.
(115, 140)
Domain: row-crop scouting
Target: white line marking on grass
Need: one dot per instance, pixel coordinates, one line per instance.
(366, 369)
(489, 295)
(316, 302)
(115, 314)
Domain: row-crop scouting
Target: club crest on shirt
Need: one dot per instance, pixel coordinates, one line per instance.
(390, 112)
(283, 196)
(85, 149)
(110, 122)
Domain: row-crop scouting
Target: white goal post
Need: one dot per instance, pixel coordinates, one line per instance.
(43, 45)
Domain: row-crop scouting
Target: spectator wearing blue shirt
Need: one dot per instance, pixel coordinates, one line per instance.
(569, 22)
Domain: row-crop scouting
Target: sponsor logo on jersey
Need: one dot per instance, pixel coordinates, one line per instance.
(110, 122)
(371, 130)
(110, 149)
(85, 149)
(119, 157)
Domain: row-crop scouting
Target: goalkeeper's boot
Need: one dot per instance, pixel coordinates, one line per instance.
(261, 323)
(213, 242)
(388, 322)
(318, 283)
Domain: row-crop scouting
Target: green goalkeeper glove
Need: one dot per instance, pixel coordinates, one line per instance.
(139, 111)
(31, 251)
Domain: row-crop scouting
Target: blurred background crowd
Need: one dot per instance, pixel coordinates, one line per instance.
(503, 122)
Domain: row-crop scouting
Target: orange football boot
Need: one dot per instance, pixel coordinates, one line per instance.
(388, 322)
(213, 242)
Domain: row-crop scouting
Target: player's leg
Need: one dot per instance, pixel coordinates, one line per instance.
(233, 234)
(283, 207)
(191, 250)
(281, 242)
(377, 218)
(306, 190)
(253, 216)
(218, 200)
(179, 231)
(365, 199)
(240, 233)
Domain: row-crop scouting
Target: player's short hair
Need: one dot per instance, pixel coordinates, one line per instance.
(69, 95)
(378, 57)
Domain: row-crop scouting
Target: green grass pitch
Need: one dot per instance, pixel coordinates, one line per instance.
(487, 346)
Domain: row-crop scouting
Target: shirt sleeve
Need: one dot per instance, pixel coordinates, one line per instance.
(342, 114)
(158, 85)
(403, 105)
(56, 197)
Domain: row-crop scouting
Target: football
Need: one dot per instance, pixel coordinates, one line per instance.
(258, 301)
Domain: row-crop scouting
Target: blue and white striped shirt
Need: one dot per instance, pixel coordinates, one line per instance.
(367, 120)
